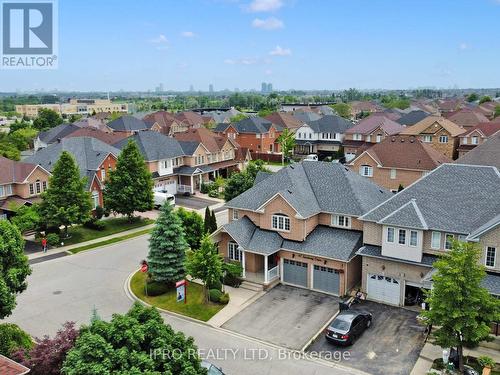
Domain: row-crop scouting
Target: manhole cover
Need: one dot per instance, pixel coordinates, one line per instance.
(57, 292)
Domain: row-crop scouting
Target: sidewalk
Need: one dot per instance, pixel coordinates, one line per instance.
(431, 352)
(63, 249)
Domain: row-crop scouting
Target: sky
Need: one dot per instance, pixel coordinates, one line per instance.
(111, 45)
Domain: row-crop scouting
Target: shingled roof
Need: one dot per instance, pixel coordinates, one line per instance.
(438, 121)
(487, 153)
(411, 118)
(284, 119)
(330, 124)
(128, 123)
(14, 172)
(373, 122)
(451, 191)
(58, 132)
(255, 125)
(467, 117)
(154, 146)
(312, 187)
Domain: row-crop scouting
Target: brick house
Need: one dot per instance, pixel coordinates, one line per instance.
(440, 133)
(285, 120)
(21, 183)
(166, 123)
(300, 226)
(256, 134)
(370, 130)
(487, 153)
(466, 117)
(129, 125)
(476, 136)
(94, 158)
(406, 234)
(397, 161)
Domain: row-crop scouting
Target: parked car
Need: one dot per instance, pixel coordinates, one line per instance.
(212, 369)
(160, 197)
(311, 157)
(348, 326)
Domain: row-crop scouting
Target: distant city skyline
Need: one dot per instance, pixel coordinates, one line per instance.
(294, 44)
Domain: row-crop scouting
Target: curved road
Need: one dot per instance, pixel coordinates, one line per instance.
(68, 288)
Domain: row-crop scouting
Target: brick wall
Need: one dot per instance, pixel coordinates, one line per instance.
(372, 233)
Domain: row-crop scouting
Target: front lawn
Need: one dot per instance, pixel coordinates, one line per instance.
(79, 233)
(196, 307)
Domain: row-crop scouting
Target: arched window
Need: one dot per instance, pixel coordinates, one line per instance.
(281, 222)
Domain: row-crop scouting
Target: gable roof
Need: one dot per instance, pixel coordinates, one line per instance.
(212, 142)
(58, 132)
(467, 117)
(189, 147)
(405, 152)
(411, 118)
(330, 124)
(10, 367)
(154, 146)
(285, 120)
(306, 117)
(408, 215)
(312, 187)
(451, 191)
(163, 118)
(14, 172)
(190, 118)
(221, 127)
(487, 128)
(128, 123)
(88, 152)
(255, 125)
(374, 121)
(109, 138)
(438, 121)
(487, 153)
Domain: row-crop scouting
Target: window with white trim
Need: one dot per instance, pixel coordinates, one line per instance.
(44, 185)
(427, 138)
(341, 221)
(390, 234)
(413, 238)
(379, 138)
(402, 237)
(236, 214)
(5, 190)
(464, 140)
(436, 240)
(443, 139)
(281, 222)
(366, 171)
(448, 241)
(103, 174)
(392, 174)
(368, 138)
(357, 137)
(95, 199)
(474, 140)
(490, 257)
(233, 252)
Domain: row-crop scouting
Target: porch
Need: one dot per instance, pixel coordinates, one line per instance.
(257, 268)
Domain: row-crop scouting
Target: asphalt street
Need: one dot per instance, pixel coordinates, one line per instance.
(68, 288)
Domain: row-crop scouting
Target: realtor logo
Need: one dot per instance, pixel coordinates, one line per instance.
(29, 34)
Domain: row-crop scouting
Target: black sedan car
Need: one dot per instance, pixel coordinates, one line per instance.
(348, 326)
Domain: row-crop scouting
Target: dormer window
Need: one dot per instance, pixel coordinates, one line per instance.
(341, 221)
(281, 222)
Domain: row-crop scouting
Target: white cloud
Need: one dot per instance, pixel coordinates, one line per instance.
(188, 34)
(160, 39)
(278, 51)
(242, 61)
(265, 5)
(270, 23)
(464, 46)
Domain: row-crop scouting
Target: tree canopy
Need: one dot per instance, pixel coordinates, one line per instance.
(138, 342)
(240, 182)
(192, 223)
(460, 306)
(286, 140)
(66, 201)
(47, 119)
(13, 338)
(14, 267)
(130, 186)
(342, 109)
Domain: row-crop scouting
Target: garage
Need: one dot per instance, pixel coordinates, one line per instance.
(295, 272)
(383, 288)
(326, 279)
(168, 186)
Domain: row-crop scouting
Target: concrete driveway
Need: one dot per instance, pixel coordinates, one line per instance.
(193, 202)
(391, 346)
(285, 316)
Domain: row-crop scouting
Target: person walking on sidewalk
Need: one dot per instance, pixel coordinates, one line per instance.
(44, 244)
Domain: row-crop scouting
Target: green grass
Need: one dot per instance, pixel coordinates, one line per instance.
(277, 163)
(110, 241)
(112, 226)
(196, 307)
(471, 361)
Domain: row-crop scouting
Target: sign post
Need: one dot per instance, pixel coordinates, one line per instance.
(181, 291)
(144, 269)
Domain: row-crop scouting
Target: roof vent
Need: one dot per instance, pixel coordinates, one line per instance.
(402, 140)
(289, 191)
(393, 139)
(412, 140)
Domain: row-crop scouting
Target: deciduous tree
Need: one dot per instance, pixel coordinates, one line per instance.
(130, 186)
(192, 223)
(460, 306)
(240, 182)
(47, 119)
(14, 267)
(13, 338)
(286, 140)
(167, 248)
(66, 201)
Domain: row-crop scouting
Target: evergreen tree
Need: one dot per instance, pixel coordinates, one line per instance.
(207, 221)
(130, 186)
(14, 267)
(66, 201)
(213, 222)
(167, 248)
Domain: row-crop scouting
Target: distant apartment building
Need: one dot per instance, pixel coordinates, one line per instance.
(74, 107)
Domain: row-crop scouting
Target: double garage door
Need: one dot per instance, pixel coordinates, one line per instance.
(383, 288)
(325, 279)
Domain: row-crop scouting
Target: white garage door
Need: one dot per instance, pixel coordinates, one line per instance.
(169, 186)
(383, 288)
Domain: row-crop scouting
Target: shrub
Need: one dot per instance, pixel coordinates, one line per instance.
(155, 288)
(99, 212)
(204, 188)
(224, 299)
(215, 285)
(215, 295)
(94, 224)
(213, 194)
(12, 338)
(486, 361)
(232, 280)
(53, 239)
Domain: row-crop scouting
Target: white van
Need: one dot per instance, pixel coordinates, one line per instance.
(311, 157)
(160, 197)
